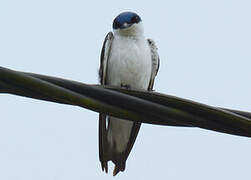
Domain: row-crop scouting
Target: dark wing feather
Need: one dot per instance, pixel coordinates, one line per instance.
(155, 62)
(106, 48)
(103, 146)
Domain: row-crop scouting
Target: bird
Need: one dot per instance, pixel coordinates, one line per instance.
(128, 60)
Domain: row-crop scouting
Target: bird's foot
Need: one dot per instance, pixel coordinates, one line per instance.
(126, 86)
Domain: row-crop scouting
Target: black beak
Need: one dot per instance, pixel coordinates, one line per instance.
(125, 25)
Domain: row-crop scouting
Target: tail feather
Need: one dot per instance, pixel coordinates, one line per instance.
(103, 153)
(118, 167)
(104, 166)
(106, 153)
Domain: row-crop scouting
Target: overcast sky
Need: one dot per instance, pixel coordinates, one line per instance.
(205, 51)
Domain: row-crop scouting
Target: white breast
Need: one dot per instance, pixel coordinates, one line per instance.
(129, 62)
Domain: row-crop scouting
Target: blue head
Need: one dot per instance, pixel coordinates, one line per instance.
(125, 20)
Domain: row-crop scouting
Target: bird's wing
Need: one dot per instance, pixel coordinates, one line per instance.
(155, 62)
(105, 53)
(103, 145)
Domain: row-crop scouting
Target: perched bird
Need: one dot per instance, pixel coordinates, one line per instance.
(131, 61)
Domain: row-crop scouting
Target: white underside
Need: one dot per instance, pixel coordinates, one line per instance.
(129, 64)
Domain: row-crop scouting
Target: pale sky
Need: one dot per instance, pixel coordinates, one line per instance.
(205, 53)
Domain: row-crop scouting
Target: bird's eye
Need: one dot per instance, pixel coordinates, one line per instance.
(116, 25)
(135, 19)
